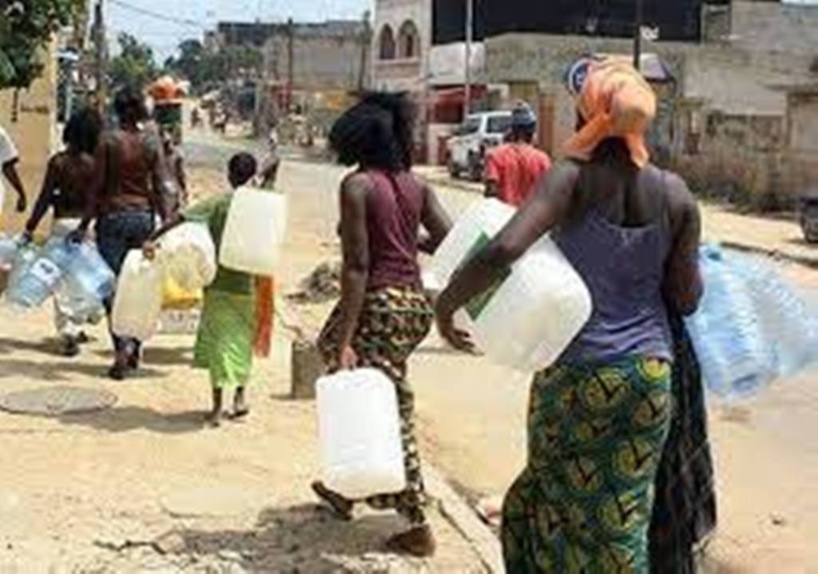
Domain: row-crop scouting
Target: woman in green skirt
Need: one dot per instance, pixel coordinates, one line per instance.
(599, 418)
(229, 322)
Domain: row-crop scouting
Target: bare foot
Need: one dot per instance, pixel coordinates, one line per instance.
(214, 419)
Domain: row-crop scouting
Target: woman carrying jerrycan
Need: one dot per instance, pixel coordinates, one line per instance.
(69, 176)
(384, 314)
(599, 418)
(236, 318)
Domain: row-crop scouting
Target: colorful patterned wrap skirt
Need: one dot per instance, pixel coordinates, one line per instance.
(393, 323)
(583, 504)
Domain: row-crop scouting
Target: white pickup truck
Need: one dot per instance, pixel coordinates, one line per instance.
(467, 147)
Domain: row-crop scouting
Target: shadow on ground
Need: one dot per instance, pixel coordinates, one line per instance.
(304, 538)
(65, 370)
(127, 419)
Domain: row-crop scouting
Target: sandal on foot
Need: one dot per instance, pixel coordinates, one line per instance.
(339, 505)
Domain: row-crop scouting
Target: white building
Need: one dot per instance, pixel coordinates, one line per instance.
(402, 44)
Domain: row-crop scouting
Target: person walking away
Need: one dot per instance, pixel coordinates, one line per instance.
(9, 158)
(69, 176)
(384, 314)
(233, 321)
(175, 160)
(125, 200)
(514, 168)
(599, 418)
(272, 162)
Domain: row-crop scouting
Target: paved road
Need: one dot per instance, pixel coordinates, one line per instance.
(473, 415)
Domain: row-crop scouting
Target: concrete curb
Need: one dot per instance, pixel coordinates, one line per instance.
(810, 262)
(465, 520)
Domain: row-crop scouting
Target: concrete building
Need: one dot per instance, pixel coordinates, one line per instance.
(313, 68)
(723, 120)
(401, 45)
(30, 117)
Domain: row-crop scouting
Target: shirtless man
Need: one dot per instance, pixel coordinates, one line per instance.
(129, 193)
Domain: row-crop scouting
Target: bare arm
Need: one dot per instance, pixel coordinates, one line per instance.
(543, 211)
(435, 221)
(44, 200)
(161, 185)
(683, 286)
(355, 246)
(96, 191)
(492, 177)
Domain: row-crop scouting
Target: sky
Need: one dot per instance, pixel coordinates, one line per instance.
(176, 20)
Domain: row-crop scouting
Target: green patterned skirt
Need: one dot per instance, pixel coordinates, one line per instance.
(394, 321)
(583, 504)
(224, 342)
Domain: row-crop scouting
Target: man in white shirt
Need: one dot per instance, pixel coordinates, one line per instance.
(9, 158)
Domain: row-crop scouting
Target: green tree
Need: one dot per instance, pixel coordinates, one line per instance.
(134, 65)
(26, 27)
(204, 69)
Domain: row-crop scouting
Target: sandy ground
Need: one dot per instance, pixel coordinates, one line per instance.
(144, 487)
(76, 488)
(473, 424)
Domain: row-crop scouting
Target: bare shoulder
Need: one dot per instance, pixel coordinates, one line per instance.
(356, 185)
(683, 208)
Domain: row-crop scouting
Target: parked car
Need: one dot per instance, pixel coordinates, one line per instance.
(467, 147)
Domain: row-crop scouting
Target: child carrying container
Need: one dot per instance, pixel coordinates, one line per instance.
(237, 315)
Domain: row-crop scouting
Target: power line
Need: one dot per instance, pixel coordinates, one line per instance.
(157, 15)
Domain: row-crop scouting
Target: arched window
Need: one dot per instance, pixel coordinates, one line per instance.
(408, 41)
(387, 43)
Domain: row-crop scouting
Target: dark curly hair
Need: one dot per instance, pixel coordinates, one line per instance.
(81, 133)
(129, 104)
(377, 132)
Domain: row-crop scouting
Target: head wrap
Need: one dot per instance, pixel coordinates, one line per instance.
(615, 101)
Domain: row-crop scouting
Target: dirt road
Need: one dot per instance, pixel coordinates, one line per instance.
(473, 421)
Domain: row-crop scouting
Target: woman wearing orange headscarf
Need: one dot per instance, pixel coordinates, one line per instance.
(600, 417)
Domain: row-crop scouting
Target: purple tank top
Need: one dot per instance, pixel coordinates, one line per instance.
(393, 211)
(624, 270)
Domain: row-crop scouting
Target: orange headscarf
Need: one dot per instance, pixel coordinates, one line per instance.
(616, 101)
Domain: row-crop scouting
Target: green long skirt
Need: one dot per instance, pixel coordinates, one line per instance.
(224, 342)
(583, 503)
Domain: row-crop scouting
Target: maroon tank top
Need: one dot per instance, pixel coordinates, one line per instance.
(393, 211)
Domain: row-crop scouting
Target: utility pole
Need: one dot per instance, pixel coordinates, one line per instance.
(366, 47)
(637, 34)
(290, 63)
(100, 54)
(469, 41)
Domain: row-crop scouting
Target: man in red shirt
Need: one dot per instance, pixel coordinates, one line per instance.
(513, 169)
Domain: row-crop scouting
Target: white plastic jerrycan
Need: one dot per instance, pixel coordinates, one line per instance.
(254, 232)
(531, 315)
(138, 300)
(359, 429)
(188, 256)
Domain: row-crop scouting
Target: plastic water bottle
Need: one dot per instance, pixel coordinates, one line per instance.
(8, 250)
(89, 274)
(789, 329)
(727, 331)
(35, 274)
